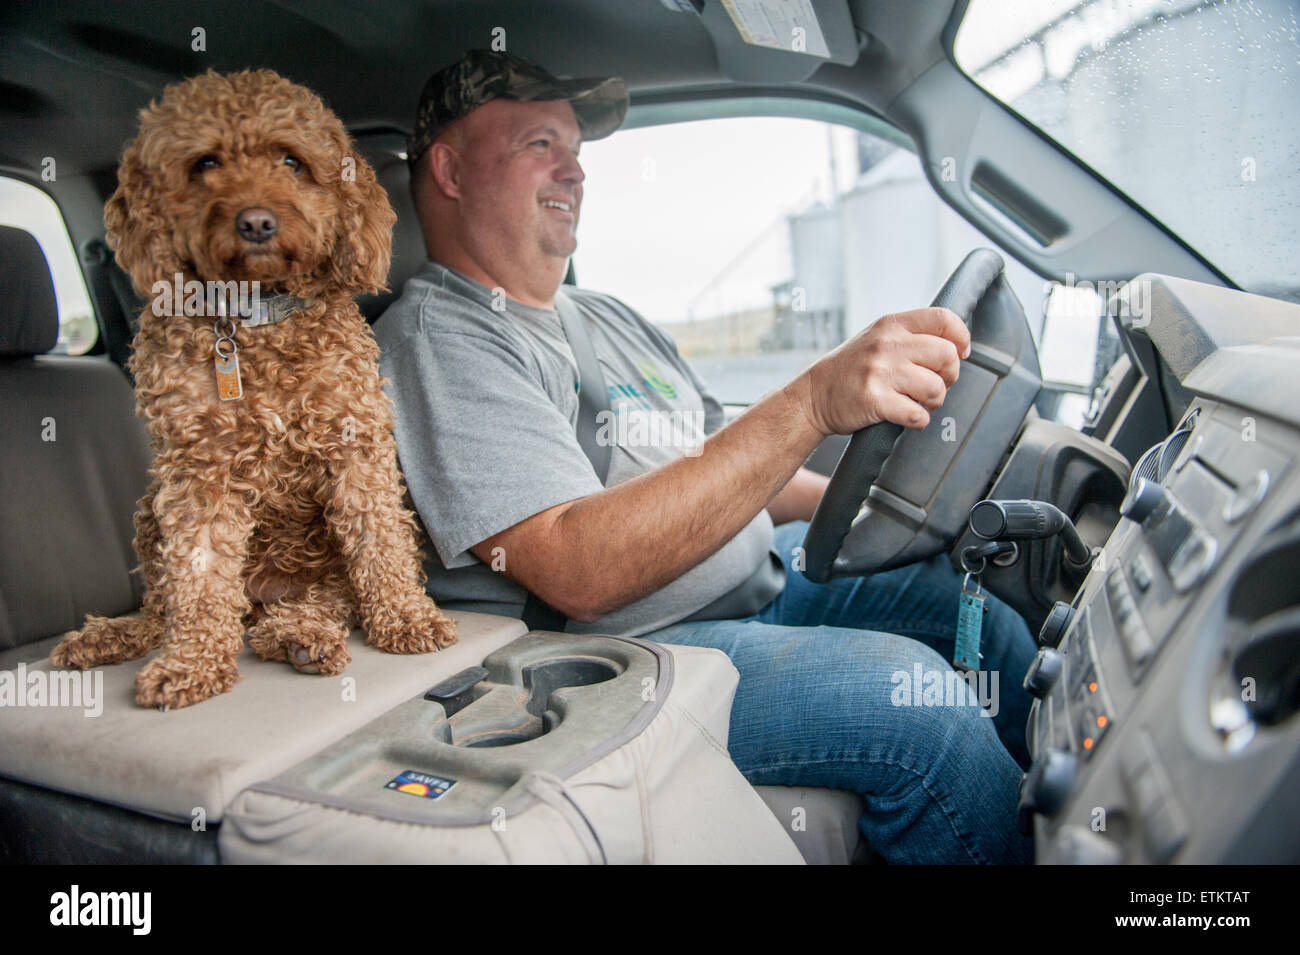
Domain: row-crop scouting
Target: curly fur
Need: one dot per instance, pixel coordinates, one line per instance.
(279, 514)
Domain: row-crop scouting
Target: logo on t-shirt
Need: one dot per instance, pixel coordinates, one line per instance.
(621, 395)
(650, 375)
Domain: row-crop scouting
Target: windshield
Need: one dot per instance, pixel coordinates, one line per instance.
(1190, 107)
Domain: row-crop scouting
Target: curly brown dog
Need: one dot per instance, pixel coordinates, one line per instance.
(276, 501)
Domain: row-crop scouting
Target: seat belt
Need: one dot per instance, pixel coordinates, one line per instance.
(593, 398)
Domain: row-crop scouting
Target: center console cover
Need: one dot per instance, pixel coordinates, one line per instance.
(569, 749)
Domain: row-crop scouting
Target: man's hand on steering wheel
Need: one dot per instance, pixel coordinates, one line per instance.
(899, 369)
(897, 495)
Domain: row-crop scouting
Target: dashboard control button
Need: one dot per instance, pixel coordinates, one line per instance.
(1046, 786)
(1140, 571)
(1144, 499)
(1043, 672)
(1137, 641)
(1057, 622)
(1116, 585)
(1133, 634)
(1164, 827)
(1192, 560)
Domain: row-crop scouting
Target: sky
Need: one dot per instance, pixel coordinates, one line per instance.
(666, 208)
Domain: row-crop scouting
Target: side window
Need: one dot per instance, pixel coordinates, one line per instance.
(26, 207)
(759, 244)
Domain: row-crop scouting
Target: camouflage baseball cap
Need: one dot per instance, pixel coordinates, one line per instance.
(600, 103)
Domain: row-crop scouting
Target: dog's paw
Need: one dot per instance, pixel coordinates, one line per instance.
(307, 649)
(170, 683)
(105, 640)
(327, 660)
(419, 629)
(74, 652)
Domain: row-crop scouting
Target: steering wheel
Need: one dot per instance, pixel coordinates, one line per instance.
(898, 496)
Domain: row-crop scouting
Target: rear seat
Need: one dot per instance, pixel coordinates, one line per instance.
(76, 460)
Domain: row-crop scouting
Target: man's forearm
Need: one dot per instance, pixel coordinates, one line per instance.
(632, 539)
(798, 500)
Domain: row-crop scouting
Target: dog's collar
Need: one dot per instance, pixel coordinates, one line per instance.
(257, 311)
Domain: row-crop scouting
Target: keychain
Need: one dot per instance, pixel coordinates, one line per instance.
(970, 603)
(970, 619)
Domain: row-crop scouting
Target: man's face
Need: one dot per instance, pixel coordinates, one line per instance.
(521, 185)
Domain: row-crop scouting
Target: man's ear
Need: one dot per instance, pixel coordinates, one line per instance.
(445, 166)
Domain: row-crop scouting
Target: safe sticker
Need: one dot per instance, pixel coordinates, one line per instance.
(420, 784)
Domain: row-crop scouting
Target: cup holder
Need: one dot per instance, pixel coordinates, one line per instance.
(543, 679)
(496, 714)
(1270, 580)
(543, 703)
(1260, 668)
(1270, 657)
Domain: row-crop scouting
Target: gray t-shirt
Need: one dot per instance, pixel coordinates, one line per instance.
(487, 406)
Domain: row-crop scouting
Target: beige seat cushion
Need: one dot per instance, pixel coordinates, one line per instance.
(829, 820)
(170, 764)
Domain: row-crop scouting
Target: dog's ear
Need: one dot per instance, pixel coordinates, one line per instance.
(136, 229)
(365, 241)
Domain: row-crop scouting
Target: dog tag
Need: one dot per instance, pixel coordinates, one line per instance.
(970, 619)
(229, 387)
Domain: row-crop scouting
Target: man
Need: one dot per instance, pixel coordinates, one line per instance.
(485, 382)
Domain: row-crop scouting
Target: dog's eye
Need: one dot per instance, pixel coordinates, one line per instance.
(206, 163)
(294, 163)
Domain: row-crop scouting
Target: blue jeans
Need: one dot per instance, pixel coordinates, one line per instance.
(828, 699)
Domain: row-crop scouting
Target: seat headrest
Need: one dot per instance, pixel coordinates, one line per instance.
(29, 318)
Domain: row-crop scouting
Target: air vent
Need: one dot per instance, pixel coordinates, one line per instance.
(1158, 460)
(1148, 466)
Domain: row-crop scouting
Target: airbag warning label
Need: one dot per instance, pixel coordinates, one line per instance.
(779, 24)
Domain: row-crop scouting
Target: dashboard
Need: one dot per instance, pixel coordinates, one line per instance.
(1165, 727)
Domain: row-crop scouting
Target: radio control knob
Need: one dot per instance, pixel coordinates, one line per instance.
(1044, 671)
(1057, 622)
(1045, 788)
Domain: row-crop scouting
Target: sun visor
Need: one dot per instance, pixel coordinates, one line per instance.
(776, 41)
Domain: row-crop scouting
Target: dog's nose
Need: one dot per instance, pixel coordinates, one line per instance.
(256, 224)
